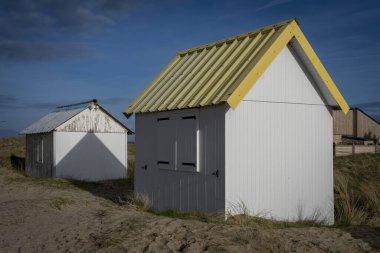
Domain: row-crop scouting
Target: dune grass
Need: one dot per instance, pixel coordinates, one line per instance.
(243, 220)
(11, 147)
(14, 145)
(200, 216)
(14, 149)
(356, 191)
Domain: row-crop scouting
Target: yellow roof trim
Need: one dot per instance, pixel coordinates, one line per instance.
(314, 59)
(274, 48)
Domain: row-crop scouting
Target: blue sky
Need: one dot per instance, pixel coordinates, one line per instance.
(63, 51)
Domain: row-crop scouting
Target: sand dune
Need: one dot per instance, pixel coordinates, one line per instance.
(36, 217)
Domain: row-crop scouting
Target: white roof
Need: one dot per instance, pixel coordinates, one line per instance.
(59, 116)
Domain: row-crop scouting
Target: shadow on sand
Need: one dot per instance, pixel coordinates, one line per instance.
(117, 191)
(91, 160)
(369, 234)
(18, 163)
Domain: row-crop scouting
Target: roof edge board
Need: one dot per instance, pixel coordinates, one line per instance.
(247, 64)
(237, 37)
(309, 70)
(290, 31)
(321, 70)
(274, 47)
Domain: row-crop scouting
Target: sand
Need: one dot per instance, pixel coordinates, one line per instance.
(39, 218)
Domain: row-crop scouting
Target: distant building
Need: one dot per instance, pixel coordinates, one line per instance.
(78, 141)
(247, 119)
(355, 127)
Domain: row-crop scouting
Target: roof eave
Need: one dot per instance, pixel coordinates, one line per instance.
(292, 30)
(287, 31)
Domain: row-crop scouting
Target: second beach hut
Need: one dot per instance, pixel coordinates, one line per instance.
(79, 141)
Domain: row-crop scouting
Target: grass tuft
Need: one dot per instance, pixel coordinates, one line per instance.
(131, 172)
(357, 190)
(196, 215)
(59, 203)
(239, 214)
(138, 201)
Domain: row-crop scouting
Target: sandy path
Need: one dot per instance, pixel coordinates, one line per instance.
(35, 218)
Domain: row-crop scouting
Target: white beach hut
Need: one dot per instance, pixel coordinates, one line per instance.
(246, 119)
(79, 141)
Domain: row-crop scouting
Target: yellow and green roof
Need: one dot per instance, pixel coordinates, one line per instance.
(224, 71)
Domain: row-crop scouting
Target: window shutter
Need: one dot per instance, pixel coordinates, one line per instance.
(165, 143)
(39, 150)
(187, 143)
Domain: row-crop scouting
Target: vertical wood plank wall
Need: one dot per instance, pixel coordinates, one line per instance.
(365, 128)
(343, 124)
(181, 190)
(34, 168)
(279, 146)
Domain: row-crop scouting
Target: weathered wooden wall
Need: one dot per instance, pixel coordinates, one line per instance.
(93, 120)
(343, 124)
(343, 150)
(367, 127)
(356, 124)
(44, 168)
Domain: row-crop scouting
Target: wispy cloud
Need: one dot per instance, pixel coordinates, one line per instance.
(13, 103)
(41, 50)
(7, 102)
(272, 4)
(115, 100)
(29, 30)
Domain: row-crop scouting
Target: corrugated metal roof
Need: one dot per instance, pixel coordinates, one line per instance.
(222, 71)
(54, 119)
(62, 114)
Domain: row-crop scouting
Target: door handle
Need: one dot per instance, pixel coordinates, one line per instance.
(145, 167)
(215, 173)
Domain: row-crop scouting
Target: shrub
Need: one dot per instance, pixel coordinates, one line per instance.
(138, 201)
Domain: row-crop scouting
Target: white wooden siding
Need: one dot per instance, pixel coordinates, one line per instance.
(92, 119)
(279, 152)
(295, 47)
(183, 190)
(90, 156)
(285, 81)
